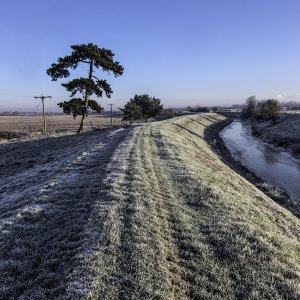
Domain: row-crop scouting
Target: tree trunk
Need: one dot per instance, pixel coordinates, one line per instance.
(81, 124)
(86, 100)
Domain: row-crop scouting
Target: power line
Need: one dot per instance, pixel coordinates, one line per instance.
(38, 105)
(15, 96)
(43, 98)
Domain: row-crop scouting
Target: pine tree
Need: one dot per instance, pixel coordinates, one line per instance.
(95, 58)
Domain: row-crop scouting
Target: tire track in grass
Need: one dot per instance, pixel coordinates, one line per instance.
(136, 256)
(135, 272)
(118, 260)
(148, 265)
(167, 228)
(165, 202)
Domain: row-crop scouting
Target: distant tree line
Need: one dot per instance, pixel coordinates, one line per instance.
(198, 109)
(261, 109)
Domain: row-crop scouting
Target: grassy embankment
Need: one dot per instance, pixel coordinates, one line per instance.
(179, 224)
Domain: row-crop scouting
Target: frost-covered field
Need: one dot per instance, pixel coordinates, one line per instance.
(284, 133)
(29, 126)
(143, 212)
(48, 188)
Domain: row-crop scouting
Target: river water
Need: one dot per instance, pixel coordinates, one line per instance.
(271, 164)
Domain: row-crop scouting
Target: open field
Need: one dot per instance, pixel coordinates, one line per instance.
(142, 212)
(33, 125)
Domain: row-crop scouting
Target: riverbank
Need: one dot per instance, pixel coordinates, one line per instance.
(284, 133)
(274, 192)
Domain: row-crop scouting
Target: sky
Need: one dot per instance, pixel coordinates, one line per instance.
(185, 52)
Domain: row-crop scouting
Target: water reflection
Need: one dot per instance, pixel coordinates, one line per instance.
(270, 156)
(271, 164)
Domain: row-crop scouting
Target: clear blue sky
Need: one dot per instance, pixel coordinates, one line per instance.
(189, 52)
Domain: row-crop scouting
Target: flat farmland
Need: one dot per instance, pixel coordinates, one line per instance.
(28, 124)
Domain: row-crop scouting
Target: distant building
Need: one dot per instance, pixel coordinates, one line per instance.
(291, 108)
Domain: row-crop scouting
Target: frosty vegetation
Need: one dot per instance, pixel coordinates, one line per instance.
(147, 212)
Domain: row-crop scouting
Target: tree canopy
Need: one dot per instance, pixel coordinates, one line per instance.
(75, 106)
(250, 109)
(95, 58)
(142, 106)
(262, 109)
(271, 109)
(131, 111)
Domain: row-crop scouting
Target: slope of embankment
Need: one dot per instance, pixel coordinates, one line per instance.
(182, 225)
(284, 133)
(148, 213)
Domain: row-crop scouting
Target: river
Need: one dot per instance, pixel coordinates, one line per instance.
(269, 163)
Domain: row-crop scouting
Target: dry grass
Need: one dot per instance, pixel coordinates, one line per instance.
(163, 219)
(55, 123)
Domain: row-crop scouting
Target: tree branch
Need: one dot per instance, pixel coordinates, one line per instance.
(96, 78)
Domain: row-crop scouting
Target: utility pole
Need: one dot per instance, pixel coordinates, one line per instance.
(43, 98)
(111, 115)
